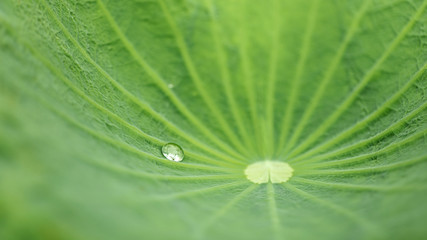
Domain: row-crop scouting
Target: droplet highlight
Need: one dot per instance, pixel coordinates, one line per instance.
(269, 171)
(173, 152)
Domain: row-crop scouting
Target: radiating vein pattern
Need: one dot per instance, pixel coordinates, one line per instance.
(92, 90)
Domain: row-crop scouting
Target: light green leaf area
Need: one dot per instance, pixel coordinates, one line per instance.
(92, 89)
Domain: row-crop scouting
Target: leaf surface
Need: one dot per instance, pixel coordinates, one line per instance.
(92, 90)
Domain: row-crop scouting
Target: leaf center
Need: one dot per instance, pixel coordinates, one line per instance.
(269, 171)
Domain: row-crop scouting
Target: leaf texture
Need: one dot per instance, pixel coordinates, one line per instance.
(91, 90)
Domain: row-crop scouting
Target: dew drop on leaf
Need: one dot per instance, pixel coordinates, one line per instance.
(269, 171)
(173, 152)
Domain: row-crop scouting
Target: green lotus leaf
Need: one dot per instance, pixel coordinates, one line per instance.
(325, 99)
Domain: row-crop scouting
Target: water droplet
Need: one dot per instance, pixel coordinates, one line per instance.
(173, 152)
(269, 171)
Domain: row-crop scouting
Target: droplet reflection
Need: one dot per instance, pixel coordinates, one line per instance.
(173, 152)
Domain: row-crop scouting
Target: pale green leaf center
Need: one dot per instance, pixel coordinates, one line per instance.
(269, 171)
